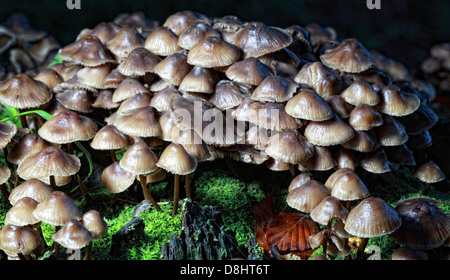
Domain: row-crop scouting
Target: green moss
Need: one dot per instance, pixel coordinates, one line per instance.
(234, 198)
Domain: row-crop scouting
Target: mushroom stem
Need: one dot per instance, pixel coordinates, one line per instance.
(113, 155)
(176, 194)
(70, 148)
(292, 170)
(427, 189)
(53, 182)
(88, 251)
(361, 248)
(4, 191)
(23, 120)
(188, 186)
(5, 155)
(147, 194)
(84, 189)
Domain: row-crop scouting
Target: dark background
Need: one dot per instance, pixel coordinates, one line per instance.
(402, 29)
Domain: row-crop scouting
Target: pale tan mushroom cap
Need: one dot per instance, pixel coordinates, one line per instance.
(115, 179)
(306, 197)
(176, 160)
(57, 209)
(33, 188)
(73, 235)
(21, 213)
(139, 159)
(429, 172)
(95, 224)
(16, 239)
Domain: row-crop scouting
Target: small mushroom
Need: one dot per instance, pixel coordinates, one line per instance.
(429, 173)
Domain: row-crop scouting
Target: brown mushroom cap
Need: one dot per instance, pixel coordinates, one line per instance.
(139, 159)
(126, 40)
(21, 91)
(176, 160)
(429, 172)
(349, 56)
(330, 207)
(395, 102)
(199, 80)
(49, 77)
(160, 99)
(360, 92)
(104, 100)
(346, 185)
(182, 20)
(419, 121)
(363, 117)
(162, 41)
(16, 240)
(87, 51)
(51, 161)
(95, 76)
(67, 127)
(391, 132)
(376, 162)
(257, 39)
(29, 144)
(308, 105)
(95, 224)
(213, 52)
(115, 179)
(139, 122)
(329, 132)
(7, 132)
(127, 88)
(194, 145)
(195, 34)
(362, 142)
(405, 253)
(372, 217)
(78, 100)
(324, 80)
(110, 138)
(73, 235)
(272, 116)
(21, 212)
(173, 68)
(289, 146)
(306, 197)
(424, 225)
(299, 180)
(275, 89)
(249, 71)
(57, 209)
(228, 95)
(5, 174)
(32, 188)
(321, 160)
(139, 62)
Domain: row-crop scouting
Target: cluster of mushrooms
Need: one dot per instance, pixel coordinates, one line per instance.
(436, 68)
(196, 89)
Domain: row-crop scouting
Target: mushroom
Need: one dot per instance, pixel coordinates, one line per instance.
(32, 188)
(115, 179)
(306, 197)
(372, 217)
(177, 161)
(18, 241)
(162, 41)
(308, 105)
(424, 225)
(96, 225)
(73, 235)
(429, 173)
(250, 71)
(111, 139)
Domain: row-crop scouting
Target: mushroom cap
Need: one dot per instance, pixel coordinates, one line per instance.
(127, 88)
(272, 116)
(18, 239)
(349, 56)
(32, 188)
(363, 118)
(257, 39)
(322, 79)
(362, 142)
(7, 132)
(308, 105)
(95, 224)
(395, 102)
(372, 217)
(104, 100)
(110, 138)
(5, 173)
(21, 91)
(173, 68)
(136, 101)
(73, 235)
(424, 118)
(160, 99)
(257, 137)
(115, 179)
(139, 159)
(162, 41)
(182, 20)
(306, 197)
(329, 132)
(195, 34)
(391, 132)
(29, 144)
(228, 94)
(299, 180)
(21, 212)
(360, 92)
(139, 122)
(78, 100)
(330, 207)
(194, 145)
(376, 162)
(95, 76)
(424, 225)
(429, 172)
(87, 51)
(199, 80)
(57, 209)
(275, 89)
(249, 71)
(105, 31)
(125, 41)
(50, 161)
(169, 130)
(213, 52)
(49, 77)
(346, 185)
(156, 176)
(345, 159)
(321, 160)
(113, 79)
(139, 62)
(289, 146)
(176, 160)
(68, 127)
(404, 253)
